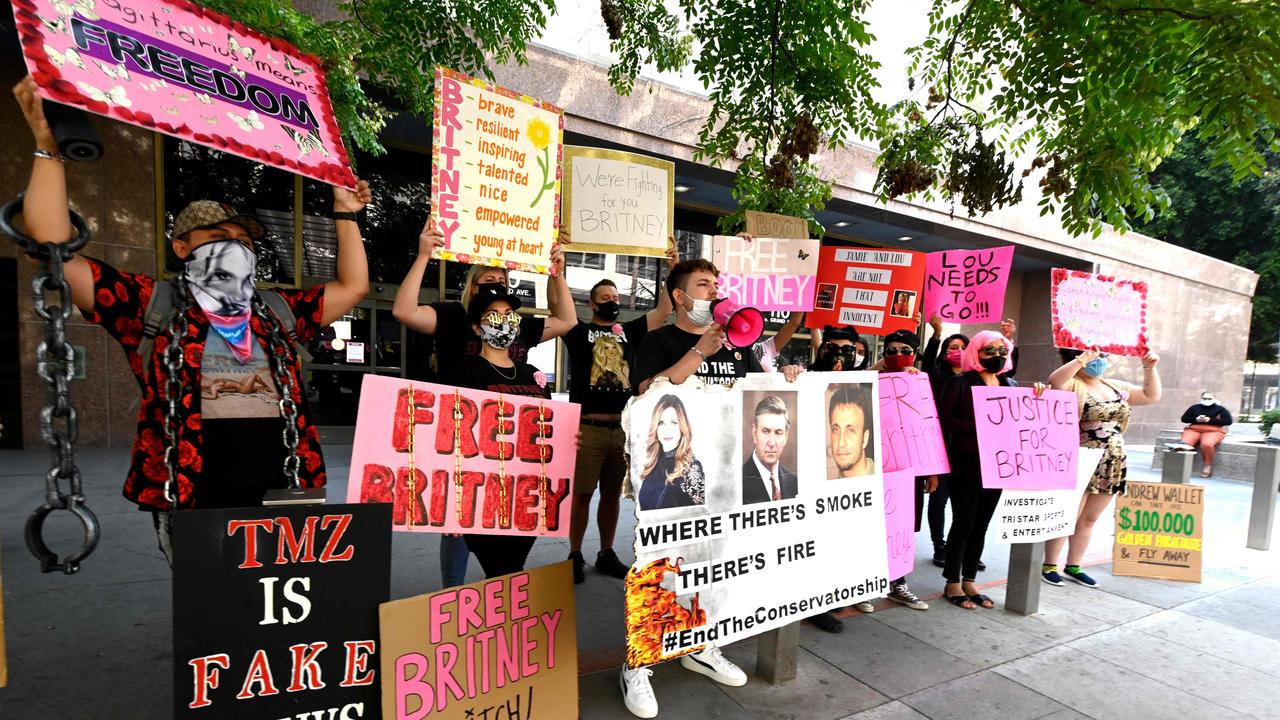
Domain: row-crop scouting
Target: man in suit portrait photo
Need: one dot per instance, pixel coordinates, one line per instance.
(763, 476)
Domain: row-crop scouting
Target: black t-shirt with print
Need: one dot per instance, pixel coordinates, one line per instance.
(455, 340)
(600, 364)
(666, 345)
(478, 373)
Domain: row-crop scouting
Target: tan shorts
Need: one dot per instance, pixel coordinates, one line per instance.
(600, 460)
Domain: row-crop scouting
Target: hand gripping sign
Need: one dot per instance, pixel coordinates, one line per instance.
(456, 460)
(174, 67)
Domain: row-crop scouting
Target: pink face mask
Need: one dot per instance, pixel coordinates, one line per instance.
(954, 356)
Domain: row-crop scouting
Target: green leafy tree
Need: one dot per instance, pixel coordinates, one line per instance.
(1093, 93)
(1237, 221)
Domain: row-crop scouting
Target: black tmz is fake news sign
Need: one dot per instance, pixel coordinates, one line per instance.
(275, 611)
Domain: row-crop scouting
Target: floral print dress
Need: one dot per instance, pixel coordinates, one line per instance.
(1102, 422)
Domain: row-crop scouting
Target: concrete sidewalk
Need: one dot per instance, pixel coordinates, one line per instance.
(98, 644)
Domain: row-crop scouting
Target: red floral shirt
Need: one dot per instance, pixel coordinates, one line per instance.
(120, 304)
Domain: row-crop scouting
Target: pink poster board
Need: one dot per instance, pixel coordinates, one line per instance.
(900, 521)
(767, 273)
(1099, 311)
(910, 434)
(967, 286)
(443, 477)
(1027, 442)
(174, 67)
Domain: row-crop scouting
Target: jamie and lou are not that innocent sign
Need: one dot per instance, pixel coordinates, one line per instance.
(459, 460)
(876, 291)
(174, 67)
(495, 174)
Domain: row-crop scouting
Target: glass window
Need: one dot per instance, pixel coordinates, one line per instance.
(389, 353)
(334, 395)
(195, 172)
(590, 260)
(347, 342)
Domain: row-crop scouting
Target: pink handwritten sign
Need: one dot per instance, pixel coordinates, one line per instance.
(504, 466)
(1099, 311)
(910, 434)
(900, 521)
(174, 67)
(967, 286)
(1027, 442)
(767, 273)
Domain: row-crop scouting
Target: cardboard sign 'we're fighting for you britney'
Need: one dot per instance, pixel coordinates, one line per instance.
(455, 460)
(175, 67)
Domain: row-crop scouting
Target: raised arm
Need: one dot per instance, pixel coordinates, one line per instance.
(352, 282)
(1149, 393)
(1060, 379)
(559, 299)
(45, 212)
(788, 329)
(419, 318)
(662, 310)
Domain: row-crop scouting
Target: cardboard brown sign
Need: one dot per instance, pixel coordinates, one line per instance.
(1159, 531)
(763, 224)
(505, 647)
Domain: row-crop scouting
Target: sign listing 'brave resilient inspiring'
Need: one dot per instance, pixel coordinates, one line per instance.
(175, 67)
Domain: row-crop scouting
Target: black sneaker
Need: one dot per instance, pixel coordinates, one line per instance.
(607, 562)
(940, 555)
(1075, 573)
(827, 622)
(981, 566)
(579, 576)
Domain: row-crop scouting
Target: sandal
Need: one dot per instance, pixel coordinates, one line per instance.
(960, 600)
(1207, 472)
(982, 601)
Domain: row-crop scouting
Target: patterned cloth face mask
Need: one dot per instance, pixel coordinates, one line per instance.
(499, 330)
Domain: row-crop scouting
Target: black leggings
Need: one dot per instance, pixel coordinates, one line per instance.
(500, 554)
(938, 511)
(971, 509)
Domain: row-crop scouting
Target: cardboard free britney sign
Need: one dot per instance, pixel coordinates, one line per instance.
(177, 68)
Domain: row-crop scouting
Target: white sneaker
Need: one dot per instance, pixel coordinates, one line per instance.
(637, 692)
(712, 663)
(864, 606)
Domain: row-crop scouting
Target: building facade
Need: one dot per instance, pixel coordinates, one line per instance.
(1200, 307)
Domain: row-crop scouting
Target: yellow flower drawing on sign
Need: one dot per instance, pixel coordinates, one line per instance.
(540, 136)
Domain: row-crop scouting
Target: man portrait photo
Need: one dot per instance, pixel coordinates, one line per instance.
(764, 478)
(849, 431)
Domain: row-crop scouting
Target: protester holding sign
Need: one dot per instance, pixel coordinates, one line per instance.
(1104, 416)
(984, 362)
(207, 448)
(601, 353)
(941, 360)
(494, 318)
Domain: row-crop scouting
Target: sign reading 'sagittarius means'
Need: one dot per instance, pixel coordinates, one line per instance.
(967, 286)
(1030, 516)
(909, 429)
(497, 649)
(873, 289)
(495, 174)
(504, 466)
(618, 202)
(766, 273)
(1099, 311)
(1027, 442)
(1159, 531)
(177, 68)
(748, 501)
(275, 611)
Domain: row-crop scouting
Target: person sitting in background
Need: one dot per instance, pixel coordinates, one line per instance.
(1206, 420)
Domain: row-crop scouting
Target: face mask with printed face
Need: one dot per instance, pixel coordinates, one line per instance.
(1096, 367)
(607, 310)
(220, 276)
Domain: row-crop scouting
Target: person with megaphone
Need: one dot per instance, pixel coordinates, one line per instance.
(711, 338)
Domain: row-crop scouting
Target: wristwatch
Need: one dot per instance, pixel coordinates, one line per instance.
(353, 217)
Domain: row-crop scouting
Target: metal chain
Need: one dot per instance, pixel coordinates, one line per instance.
(56, 367)
(281, 357)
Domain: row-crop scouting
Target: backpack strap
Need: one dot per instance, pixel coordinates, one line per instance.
(154, 318)
(288, 322)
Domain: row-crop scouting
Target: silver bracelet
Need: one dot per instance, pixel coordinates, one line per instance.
(38, 152)
(700, 353)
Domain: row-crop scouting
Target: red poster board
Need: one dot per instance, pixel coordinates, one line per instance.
(1099, 311)
(875, 290)
(183, 70)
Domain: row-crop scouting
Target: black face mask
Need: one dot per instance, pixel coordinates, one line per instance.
(992, 365)
(607, 310)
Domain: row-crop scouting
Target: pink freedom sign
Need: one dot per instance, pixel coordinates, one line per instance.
(174, 67)
(1099, 311)
(900, 521)
(1027, 442)
(767, 273)
(967, 286)
(910, 434)
(454, 460)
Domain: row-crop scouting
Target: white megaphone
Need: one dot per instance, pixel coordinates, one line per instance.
(743, 326)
